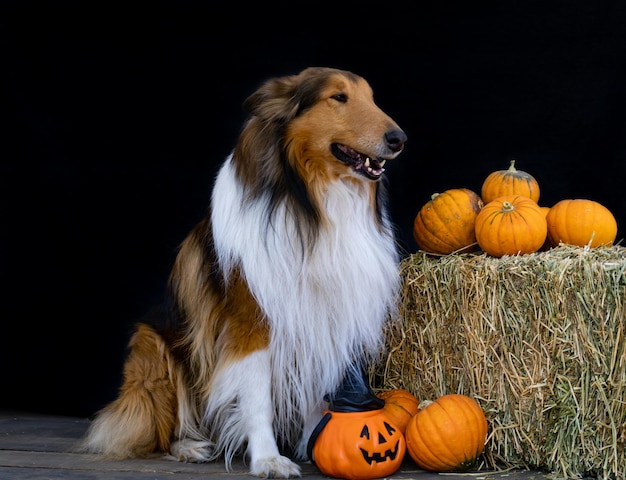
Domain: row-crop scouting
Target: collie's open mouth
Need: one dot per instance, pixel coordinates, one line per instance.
(371, 168)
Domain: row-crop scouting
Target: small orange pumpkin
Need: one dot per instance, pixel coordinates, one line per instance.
(581, 222)
(546, 244)
(445, 223)
(358, 445)
(447, 435)
(400, 406)
(511, 225)
(509, 182)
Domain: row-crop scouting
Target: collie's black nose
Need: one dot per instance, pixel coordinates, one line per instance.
(395, 139)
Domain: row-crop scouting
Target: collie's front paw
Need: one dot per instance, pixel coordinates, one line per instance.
(275, 467)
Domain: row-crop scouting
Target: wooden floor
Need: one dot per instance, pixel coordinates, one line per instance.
(36, 447)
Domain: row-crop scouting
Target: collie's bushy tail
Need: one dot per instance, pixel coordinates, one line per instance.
(143, 417)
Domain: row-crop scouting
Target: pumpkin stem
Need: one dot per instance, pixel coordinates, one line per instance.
(512, 166)
(507, 207)
(424, 403)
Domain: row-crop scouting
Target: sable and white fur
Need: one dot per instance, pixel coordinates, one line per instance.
(281, 288)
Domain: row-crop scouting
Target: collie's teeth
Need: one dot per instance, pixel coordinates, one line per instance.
(367, 162)
(382, 163)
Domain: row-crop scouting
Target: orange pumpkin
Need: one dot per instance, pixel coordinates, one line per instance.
(581, 222)
(400, 406)
(448, 435)
(445, 223)
(358, 445)
(509, 182)
(546, 244)
(511, 225)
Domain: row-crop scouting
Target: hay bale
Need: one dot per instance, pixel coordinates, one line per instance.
(537, 340)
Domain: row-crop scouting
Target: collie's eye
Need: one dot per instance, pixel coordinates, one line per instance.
(340, 97)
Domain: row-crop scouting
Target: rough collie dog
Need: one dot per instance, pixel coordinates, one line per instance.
(282, 287)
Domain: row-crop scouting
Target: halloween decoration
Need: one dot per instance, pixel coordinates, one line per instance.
(447, 435)
(356, 439)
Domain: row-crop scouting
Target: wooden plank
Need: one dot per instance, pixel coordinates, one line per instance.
(84, 463)
(36, 432)
(41, 446)
(37, 447)
(51, 474)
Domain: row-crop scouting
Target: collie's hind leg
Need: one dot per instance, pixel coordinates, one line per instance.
(249, 380)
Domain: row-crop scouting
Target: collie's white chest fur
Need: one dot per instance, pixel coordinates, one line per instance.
(325, 302)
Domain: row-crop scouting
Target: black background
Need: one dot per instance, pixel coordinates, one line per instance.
(115, 119)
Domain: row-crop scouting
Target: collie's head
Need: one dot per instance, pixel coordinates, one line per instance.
(311, 132)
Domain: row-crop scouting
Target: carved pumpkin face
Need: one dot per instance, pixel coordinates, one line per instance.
(358, 445)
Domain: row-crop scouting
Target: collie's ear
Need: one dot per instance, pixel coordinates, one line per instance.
(275, 100)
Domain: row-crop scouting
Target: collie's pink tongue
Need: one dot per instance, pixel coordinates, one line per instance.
(373, 167)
